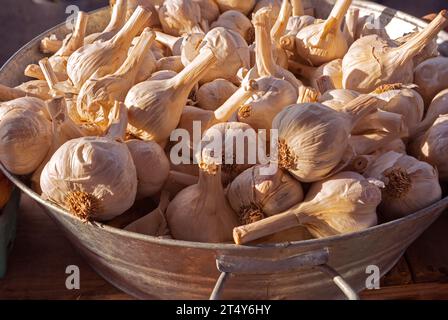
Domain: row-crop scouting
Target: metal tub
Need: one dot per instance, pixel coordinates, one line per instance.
(147, 267)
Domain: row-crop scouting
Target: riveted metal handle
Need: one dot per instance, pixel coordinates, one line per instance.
(228, 265)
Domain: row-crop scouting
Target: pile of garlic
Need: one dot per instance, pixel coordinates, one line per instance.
(359, 120)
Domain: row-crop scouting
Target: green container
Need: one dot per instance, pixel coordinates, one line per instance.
(8, 221)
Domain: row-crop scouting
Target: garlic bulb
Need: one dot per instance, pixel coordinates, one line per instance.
(212, 95)
(63, 130)
(323, 42)
(180, 17)
(93, 177)
(25, 138)
(299, 19)
(36, 88)
(255, 196)
(117, 21)
(431, 77)
(150, 4)
(173, 63)
(7, 94)
(238, 22)
(260, 109)
(230, 48)
(155, 106)
(336, 99)
(201, 212)
(410, 185)
(154, 223)
(265, 63)
(149, 61)
(343, 203)
(372, 61)
(239, 145)
(209, 10)
(438, 106)
(105, 57)
(238, 5)
(309, 159)
(332, 69)
(434, 146)
(277, 31)
(429, 51)
(190, 47)
(148, 154)
(98, 94)
(403, 100)
(208, 118)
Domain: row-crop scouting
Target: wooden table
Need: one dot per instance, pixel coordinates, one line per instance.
(41, 254)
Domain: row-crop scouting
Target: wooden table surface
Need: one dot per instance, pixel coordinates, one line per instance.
(41, 254)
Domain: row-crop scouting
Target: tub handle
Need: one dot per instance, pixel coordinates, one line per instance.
(316, 259)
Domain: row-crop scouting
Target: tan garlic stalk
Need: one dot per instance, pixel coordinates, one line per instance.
(201, 212)
(153, 5)
(190, 47)
(431, 77)
(274, 5)
(438, 106)
(209, 118)
(265, 62)
(404, 100)
(7, 93)
(308, 95)
(152, 166)
(351, 26)
(255, 196)
(429, 51)
(173, 63)
(372, 61)
(274, 95)
(98, 94)
(117, 21)
(410, 185)
(212, 95)
(209, 10)
(238, 5)
(93, 177)
(343, 203)
(238, 22)
(50, 45)
(25, 136)
(434, 146)
(278, 29)
(105, 57)
(155, 106)
(332, 69)
(63, 130)
(309, 159)
(323, 42)
(71, 43)
(336, 99)
(181, 17)
(176, 44)
(36, 88)
(154, 223)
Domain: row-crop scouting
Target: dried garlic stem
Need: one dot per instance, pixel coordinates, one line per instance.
(334, 20)
(351, 25)
(48, 72)
(297, 8)
(49, 45)
(172, 42)
(118, 118)
(76, 40)
(279, 28)
(7, 93)
(361, 107)
(308, 95)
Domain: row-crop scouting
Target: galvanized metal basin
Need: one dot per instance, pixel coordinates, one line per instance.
(147, 267)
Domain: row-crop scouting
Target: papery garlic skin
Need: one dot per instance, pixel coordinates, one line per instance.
(236, 21)
(212, 95)
(201, 212)
(25, 138)
(274, 5)
(180, 17)
(36, 87)
(242, 6)
(406, 102)
(190, 47)
(438, 106)
(254, 195)
(410, 185)
(431, 77)
(338, 98)
(428, 52)
(434, 146)
(275, 95)
(152, 166)
(28, 103)
(173, 63)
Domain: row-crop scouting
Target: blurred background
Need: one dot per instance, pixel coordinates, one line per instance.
(22, 20)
